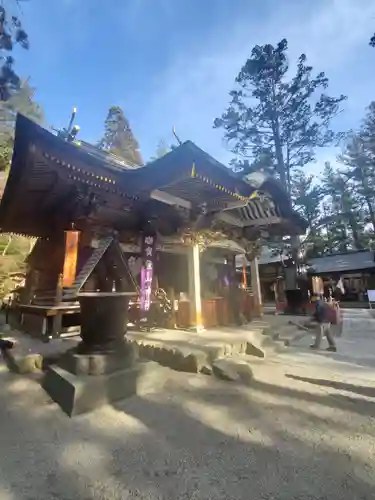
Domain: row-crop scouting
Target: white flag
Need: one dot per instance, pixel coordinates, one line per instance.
(340, 286)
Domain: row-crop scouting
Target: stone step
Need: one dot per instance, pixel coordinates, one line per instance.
(285, 335)
(233, 369)
(193, 358)
(179, 351)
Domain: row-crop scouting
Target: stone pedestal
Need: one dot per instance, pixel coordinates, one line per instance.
(104, 368)
(78, 393)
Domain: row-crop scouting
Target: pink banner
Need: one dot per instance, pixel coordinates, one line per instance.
(147, 272)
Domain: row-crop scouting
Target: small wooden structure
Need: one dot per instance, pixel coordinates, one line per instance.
(353, 271)
(91, 214)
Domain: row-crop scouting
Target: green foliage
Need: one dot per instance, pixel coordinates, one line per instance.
(358, 160)
(119, 139)
(372, 41)
(161, 150)
(307, 197)
(11, 34)
(13, 252)
(14, 249)
(21, 101)
(343, 218)
(275, 119)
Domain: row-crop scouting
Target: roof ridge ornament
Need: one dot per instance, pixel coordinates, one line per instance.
(69, 133)
(176, 136)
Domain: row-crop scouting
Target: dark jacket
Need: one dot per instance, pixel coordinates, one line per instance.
(322, 312)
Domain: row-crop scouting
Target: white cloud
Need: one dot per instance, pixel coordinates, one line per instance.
(194, 88)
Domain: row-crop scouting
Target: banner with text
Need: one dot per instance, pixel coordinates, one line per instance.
(147, 272)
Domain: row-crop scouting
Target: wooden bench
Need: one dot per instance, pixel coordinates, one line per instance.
(52, 314)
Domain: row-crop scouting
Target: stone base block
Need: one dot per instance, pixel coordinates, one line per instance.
(31, 363)
(233, 370)
(179, 359)
(77, 394)
(101, 363)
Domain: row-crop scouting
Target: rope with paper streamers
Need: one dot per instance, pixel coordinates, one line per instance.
(195, 175)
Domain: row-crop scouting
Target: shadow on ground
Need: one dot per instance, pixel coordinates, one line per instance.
(363, 390)
(198, 439)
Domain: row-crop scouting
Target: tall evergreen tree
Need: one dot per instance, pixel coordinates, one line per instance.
(345, 218)
(307, 196)
(161, 150)
(358, 159)
(21, 101)
(359, 171)
(118, 137)
(277, 117)
(11, 34)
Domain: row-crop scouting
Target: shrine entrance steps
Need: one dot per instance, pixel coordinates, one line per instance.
(177, 349)
(194, 352)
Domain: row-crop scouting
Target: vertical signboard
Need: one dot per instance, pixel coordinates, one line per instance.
(147, 272)
(70, 260)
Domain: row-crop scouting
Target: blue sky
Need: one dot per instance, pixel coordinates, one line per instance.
(173, 62)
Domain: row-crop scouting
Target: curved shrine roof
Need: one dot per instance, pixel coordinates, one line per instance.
(50, 177)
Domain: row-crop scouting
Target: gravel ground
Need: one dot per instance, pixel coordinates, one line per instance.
(284, 438)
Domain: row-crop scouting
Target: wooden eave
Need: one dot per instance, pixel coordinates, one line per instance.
(48, 175)
(188, 162)
(46, 172)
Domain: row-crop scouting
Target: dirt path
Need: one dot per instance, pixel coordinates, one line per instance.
(283, 438)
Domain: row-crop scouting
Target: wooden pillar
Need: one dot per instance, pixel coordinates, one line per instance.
(235, 294)
(195, 288)
(70, 258)
(255, 286)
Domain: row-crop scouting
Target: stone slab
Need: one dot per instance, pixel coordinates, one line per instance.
(233, 369)
(182, 359)
(189, 351)
(77, 394)
(30, 363)
(179, 350)
(254, 350)
(30, 354)
(224, 370)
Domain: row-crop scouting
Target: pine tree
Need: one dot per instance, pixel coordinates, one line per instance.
(11, 34)
(372, 40)
(21, 101)
(307, 197)
(119, 139)
(345, 219)
(360, 171)
(358, 159)
(161, 150)
(277, 117)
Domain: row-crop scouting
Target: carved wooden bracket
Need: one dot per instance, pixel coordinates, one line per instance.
(202, 238)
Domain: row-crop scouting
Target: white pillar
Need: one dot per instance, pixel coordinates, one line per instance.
(195, 288)
(255, 286)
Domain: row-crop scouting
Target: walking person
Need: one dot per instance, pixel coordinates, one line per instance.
(323, 316)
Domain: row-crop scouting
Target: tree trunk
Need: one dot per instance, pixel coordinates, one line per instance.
(281, 170)
(278, 146)
(356, 238)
